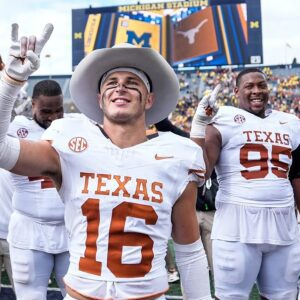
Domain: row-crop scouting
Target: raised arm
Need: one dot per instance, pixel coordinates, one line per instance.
(213, 144)
(25, 157)
(206, 110)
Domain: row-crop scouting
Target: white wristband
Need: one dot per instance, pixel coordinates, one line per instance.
(198, 129)
(192, 265)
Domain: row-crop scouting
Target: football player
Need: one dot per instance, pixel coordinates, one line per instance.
(123, 194)
(255, 234)
(37, 235)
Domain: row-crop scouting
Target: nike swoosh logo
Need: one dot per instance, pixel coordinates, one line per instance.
(157, 157)
(281, 123)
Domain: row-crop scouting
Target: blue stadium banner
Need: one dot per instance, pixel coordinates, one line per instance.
(187, 33)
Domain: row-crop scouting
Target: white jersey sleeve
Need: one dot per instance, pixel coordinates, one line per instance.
(119, 201)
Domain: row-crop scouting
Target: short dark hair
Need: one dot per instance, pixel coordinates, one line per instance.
(247, 71)
(47, 88)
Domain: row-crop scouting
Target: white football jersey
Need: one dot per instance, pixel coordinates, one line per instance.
(35, 197)
(256, 154)
(119, 201)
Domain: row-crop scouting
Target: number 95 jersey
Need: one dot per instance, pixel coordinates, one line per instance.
(119, 201)
(256, 155)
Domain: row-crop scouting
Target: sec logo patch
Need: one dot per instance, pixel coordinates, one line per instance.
(240, 119)
(78, 144)
(22, 133)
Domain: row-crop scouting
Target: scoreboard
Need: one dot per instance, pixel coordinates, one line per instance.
(187, 33)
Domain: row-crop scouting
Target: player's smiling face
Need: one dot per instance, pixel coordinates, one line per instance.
(253, 93)
(124, 97)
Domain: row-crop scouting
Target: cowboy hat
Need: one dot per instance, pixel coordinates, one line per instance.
(85, 79)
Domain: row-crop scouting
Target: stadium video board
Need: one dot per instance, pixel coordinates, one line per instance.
(187, 33)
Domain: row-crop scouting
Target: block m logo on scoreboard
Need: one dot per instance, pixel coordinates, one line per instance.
(142, 40)
(139, 33)
(176, 29)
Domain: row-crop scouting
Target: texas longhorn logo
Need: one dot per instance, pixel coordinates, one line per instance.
(190, 34)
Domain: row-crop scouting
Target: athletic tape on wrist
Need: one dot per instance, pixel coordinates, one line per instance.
(198, 130)
(192, 264)
(188, 248)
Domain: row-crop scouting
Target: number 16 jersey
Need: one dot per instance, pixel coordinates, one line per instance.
(118, 202)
